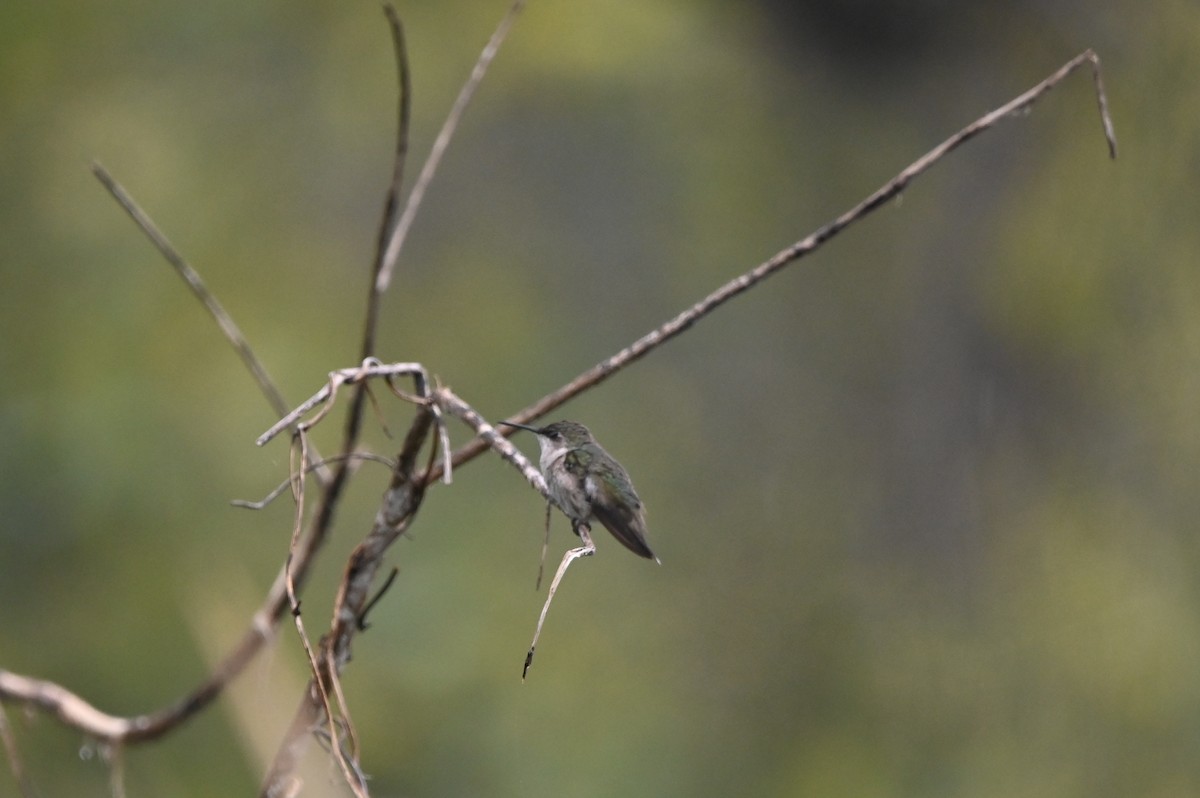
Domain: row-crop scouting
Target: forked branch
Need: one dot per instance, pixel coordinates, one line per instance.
(323, 706)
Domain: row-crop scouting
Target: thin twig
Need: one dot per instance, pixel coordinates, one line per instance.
(324, 679)
(282, 486)
(371, 602)
(586, 550)
(298, 483)
(224, 321)
(392, 202)
(439, 419)
(748, 280)
(397, 510)
(298, 480)
(14, 757)
(233, 333)
(318, 682)
(440, 144)
(115, 755)
(346, 755)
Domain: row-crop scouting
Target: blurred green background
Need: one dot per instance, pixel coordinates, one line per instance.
(925, 502)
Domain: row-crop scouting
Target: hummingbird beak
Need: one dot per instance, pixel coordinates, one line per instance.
(534, 430)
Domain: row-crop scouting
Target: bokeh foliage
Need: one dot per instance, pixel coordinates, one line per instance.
(925, 502)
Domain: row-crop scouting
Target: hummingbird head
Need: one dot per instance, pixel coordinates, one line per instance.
(558, 437)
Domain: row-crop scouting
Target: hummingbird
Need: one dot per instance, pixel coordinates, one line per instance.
(586, 482)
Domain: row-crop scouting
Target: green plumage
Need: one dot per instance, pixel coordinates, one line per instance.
(586, 482)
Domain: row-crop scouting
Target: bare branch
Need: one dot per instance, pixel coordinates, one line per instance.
(229, 328)
(392, 202)
(453, 404)
(371, 367)
(67, 707)
(440, 144)
(748, 280)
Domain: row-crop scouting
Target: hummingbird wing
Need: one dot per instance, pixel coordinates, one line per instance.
(613, 501)
(626, 526)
